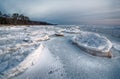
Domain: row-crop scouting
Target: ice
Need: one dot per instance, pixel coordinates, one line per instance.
(41, 38)
(60, 58)
(116, 46)
(3, 66)
(17, 46)
(48, 67)
(93, 41)
(28, 61)
(74, 29)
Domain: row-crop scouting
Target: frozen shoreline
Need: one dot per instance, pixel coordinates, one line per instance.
(18, 42)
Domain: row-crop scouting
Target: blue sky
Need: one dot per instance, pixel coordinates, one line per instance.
(66, 11)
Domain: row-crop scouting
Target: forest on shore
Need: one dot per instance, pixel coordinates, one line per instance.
(18, 19)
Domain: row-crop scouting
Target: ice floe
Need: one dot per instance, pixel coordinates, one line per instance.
(99, 45)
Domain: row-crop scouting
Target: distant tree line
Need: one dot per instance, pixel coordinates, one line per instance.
(18, 19)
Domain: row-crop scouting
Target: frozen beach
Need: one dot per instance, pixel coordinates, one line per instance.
(36, 52)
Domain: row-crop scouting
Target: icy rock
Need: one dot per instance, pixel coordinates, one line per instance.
(43, 38)
(59, 34)
(27, 40)
(93, 43)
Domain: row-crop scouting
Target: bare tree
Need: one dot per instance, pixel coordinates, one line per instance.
(0, 14)
(26, 19)
(21, 17)
(15, 17)
(0, 17)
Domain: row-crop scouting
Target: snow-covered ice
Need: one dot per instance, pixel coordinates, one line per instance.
(73, 30)
(93, 41)
(48, 67)
(60, 58)
(26, 63)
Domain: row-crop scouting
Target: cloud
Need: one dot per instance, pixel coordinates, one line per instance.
(66, 11)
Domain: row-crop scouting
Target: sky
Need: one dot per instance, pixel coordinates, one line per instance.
(66, 11)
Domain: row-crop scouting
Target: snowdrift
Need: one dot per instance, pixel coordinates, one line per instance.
(22, 66)
(93, 43)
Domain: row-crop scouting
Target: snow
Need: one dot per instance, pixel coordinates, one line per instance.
(116, 45)
(17, 62)
(42, 38)
(35, 52)
(28, 61)
(74, 29)
(48, 67)
(93, 41)
(59, 34)
(19, 47)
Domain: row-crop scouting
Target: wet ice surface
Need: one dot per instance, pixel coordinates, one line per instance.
(60, 59)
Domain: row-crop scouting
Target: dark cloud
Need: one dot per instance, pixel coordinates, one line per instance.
(66, 11)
